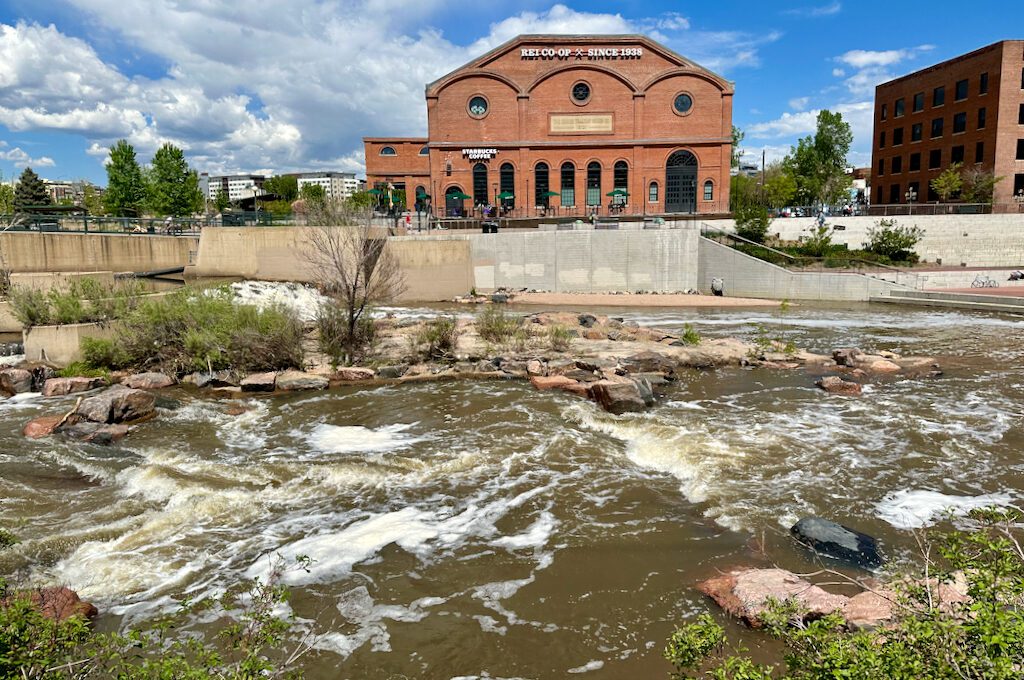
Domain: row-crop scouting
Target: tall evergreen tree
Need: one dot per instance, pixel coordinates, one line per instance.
(126, 192)
(30, 192)
(173, 187)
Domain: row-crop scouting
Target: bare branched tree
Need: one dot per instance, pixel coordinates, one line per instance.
(352, 265)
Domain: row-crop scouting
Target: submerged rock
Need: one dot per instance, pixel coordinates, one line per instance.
(835, 385)
(259, 382)
(746, 593)
(148, 381)
(558, 382)
(119, 404)
(58, 387)
(15, 381)
(622, 395)
(299, 380)
(96, 433)
(838, 541)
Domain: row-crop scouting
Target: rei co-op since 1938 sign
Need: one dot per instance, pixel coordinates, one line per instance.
(589, 53)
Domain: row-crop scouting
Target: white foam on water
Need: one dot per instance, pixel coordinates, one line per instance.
(919, 508)
(536, 536)
(358, 439)
(303, 300)
(12, 359)
(594, 665)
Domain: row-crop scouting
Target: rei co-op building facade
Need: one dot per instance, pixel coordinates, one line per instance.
(567, 125)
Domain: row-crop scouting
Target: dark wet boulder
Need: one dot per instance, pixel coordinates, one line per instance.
(95, 433)
(499, 298)
(649, 362)
(587, 320)
(119, 404)
(15, 381)
(622, 395)
(838, 541)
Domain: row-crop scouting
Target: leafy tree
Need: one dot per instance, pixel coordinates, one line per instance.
(313, 193)
(361, 200)
(91, 199)
(30, 191)
(221, 202)
(737, 138)
(285, 187)
(126, 190)
(818, 162)
(172, 186)
(979, 185)
(948, 184)
(894, 241)
(779, 185)
(752, 222)
(743, 191)
(6, 197)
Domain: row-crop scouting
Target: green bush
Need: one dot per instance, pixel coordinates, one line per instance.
(690, 336)
(560, 338)
(7, 539)
(438, 338)
(752, 222)
(818, 243)
(494, 325)
(893, 241)
(83, 369)
(30, 307)
(333, 336)
(196, 330)
(982, 638)
(84, 300)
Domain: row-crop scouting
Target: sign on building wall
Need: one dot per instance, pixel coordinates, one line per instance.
(479, 154)
(577, 123)
(589, 54)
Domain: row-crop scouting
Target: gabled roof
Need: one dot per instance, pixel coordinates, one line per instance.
(483, 60)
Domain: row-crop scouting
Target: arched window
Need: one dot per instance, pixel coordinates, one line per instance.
(541, 184)
(453, 201)
(620, 182)
(507, 180)
(594, 184)
(652, 193)
(425, 151)
(709, 190)
(568, 196)
(479, 184)
(421, 198)
(388, 151)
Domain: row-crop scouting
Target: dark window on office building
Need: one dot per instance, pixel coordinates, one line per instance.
(939, 96)
(957, 155)
(919, 102)
(932, 195)
(1018, 184)
(1020, 115)
(937, 127)
(897, 136)
(897, 164)
(983, 84)
(1022, 79)
(897, 109)
(1020, 149)
(881, 140)
(915, 189)
(960, 122)
(915, 132)
(979, 152)
(915, 162)
(885, 111)
(961, 90)
(881, 166)
(894, 193)
(981, 118)
(935, 159)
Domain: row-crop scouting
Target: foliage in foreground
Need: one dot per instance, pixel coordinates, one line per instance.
(198, 330)
(253, 641)
(336, 341)
(84, 300)
(983, 638)
(894, 241)
(437, 338)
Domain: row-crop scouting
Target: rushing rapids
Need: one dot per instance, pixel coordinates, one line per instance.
(482, 529)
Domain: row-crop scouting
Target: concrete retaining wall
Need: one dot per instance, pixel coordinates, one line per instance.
(8, 324)
(60, 280)
(57, 252)
(968, 240)
(747, 276)
(62, 345)
(590, 261)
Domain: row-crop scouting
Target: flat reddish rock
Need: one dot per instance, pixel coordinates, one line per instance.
(148, 381)
(58, 603)
(58, 387)
(40, 427)
(354, 374)
(835, 385)
(745, 593)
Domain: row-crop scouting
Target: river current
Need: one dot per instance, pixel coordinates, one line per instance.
(484, 530)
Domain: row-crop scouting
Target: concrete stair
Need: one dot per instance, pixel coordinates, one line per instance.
(969, 301)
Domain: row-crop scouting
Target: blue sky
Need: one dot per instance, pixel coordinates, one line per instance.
(277, 86)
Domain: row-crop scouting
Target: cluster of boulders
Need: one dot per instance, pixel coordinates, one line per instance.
(103, 418)
(860, 367)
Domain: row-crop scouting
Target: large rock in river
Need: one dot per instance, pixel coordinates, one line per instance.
(15, 381)
(299, 380)
(259, 382)
(838, 541)
(148, 381)
(58, 603)
(835, 385)
(747, 593)
(623, 395)
(119, 404)
(58, 387)
(40, 427)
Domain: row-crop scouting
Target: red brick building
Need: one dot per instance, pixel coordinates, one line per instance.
(568, 125)
(969, 109)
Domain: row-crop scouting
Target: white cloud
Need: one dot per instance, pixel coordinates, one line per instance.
(857, 114)
(873, 67)
(838, 72)
(21, 158)
(818, 11)
(799, 103)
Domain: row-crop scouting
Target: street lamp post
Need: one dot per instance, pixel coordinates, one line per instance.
(910, 196)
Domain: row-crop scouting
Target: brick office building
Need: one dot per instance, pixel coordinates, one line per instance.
(969, 109)
(550, 124)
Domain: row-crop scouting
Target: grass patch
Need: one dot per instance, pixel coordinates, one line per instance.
(560, 338)
(83, 369)
(438, 338)
(496, 326)
(690, 336)
(85, 300)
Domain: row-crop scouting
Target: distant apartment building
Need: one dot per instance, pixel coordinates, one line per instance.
(335, 184)
(69, 193)
(969, 110)
(237, 187)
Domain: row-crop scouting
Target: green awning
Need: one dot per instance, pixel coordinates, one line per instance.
(422, 195)
(375, 192)
(505, 194)
(617, 192)
(549, 194)
(459, 196)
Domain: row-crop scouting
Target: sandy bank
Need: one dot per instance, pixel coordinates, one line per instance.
(613, 300)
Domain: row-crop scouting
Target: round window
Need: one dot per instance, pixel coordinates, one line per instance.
(683, 103)
(478, 107)
(580, 92)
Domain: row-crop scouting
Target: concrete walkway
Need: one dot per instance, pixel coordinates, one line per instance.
(630, 300)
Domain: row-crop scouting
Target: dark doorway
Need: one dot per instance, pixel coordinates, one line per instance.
(540, 185)
(480, 185)
(453, 203)
(681, 183)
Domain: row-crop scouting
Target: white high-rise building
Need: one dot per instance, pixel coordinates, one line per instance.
(236, 187)
(336, 184)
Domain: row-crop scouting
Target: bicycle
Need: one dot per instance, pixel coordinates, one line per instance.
(984, 282)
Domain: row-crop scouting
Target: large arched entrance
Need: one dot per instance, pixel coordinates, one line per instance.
(454, 201)
(681, 183)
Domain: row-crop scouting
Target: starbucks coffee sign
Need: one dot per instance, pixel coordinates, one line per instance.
(579, 53)
(479, 154)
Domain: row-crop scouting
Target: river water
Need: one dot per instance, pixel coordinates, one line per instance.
(484, 530)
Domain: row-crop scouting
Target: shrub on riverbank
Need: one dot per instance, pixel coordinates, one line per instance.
(438, 338)
(84, 300)
(198, 330)
(981, 638)
(496, 326)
